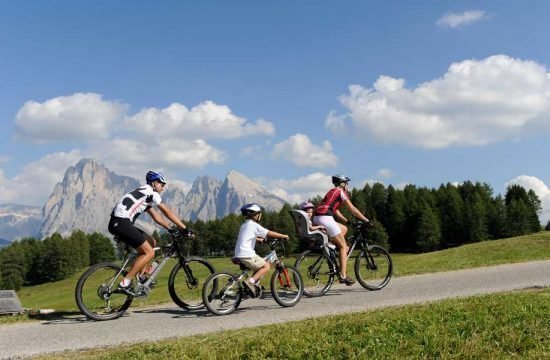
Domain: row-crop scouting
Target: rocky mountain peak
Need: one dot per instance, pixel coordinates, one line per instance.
(89, 190)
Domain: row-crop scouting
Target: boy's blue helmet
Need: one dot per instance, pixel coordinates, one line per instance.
(154, 176)
(251, 209)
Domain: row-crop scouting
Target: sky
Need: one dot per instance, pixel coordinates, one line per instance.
(286, 92)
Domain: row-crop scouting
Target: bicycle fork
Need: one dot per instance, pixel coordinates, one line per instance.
(286, 281)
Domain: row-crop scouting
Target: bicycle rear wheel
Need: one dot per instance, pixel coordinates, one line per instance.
(373, 268)
(95, 295)
(317, 272)
(287, 287)
(222, 293)
(185, 283)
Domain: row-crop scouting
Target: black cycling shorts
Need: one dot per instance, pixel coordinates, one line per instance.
(126, 231)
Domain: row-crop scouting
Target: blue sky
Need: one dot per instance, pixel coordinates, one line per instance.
(286, 92)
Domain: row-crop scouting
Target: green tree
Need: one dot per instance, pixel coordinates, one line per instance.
(450, 206)
(475, 220)
(377, 202)
(411, 209)
(80, 249)
(56, 259)
(534, 210)
(428, 232)
(101, 248)
(13, 269)
(396, 219)
(522, 210)
(378, 235)
(496, 218)
(33, 263)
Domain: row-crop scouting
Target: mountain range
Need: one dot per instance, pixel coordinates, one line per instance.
(84, 198)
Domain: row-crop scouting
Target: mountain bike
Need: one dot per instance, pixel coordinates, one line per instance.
(96, 295)
(223, 292)
(373, 264)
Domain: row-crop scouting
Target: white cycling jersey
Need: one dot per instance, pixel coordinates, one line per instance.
(135, 202)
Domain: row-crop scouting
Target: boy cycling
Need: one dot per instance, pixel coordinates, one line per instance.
(250, 232)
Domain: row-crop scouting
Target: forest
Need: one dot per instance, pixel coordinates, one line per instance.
(411, 219)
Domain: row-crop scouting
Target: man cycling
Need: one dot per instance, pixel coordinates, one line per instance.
(125, 213)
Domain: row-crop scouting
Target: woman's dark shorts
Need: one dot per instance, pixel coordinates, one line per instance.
(126, 231)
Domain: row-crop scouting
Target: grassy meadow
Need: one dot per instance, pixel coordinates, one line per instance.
(504, 325)
(60, 295)
(497, 326)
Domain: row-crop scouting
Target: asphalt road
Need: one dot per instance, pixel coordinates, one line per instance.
(76, 332)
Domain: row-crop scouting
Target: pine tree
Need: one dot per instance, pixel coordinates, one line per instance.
(496, 218)
(396, 220)
(79, 243)
(377, 202)
(428, 233)
(101, 248)
(450, 206)
(522, 210)
(13, 271)
(378, 235)
(55, 259)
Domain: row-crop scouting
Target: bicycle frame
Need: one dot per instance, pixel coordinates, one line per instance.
(169, 251)
(270, 258)
(357, 240)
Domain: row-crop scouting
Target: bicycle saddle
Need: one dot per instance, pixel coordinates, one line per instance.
(236, 261)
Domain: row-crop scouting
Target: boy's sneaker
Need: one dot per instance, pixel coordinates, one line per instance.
(251, 288)
(125, 290)
(347, 280)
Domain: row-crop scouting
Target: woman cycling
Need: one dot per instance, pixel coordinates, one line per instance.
(325, 213)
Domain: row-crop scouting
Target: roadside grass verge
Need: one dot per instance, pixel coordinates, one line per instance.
(60, 295)
(487, 253)
(504, 325)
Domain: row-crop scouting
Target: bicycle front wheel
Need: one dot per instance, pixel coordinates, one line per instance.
(95, 293)
(317, 272)
(287, 287)
(185, 282)
(222, 293)
(373, 268)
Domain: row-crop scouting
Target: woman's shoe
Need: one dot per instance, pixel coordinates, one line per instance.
(347, 280)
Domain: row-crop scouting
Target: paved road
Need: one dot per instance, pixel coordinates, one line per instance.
(72, 333)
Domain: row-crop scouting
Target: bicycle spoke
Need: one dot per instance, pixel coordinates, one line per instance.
(373, 268)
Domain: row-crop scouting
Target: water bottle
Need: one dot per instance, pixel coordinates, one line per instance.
(151, 268)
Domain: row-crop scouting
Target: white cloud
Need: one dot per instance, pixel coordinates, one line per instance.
(385, 173)
(127, 156)
(299, 150)
(540, 188)
(206, 120)
(35, 183)
(475, 103)
(81, 116)
(454, 20)
(295, 191)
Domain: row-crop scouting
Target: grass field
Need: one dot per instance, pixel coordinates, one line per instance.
(498, 326)
(509, 325)
(60, 295)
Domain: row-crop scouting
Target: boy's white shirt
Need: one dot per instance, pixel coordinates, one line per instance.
(246, 242)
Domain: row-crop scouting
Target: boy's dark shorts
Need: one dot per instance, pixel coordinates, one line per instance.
(126, 231)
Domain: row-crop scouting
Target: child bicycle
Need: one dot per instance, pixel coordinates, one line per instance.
(373, 264)
(223, 292)
(97, 297)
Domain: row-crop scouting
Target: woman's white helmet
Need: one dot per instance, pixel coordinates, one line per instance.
(339, 178)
